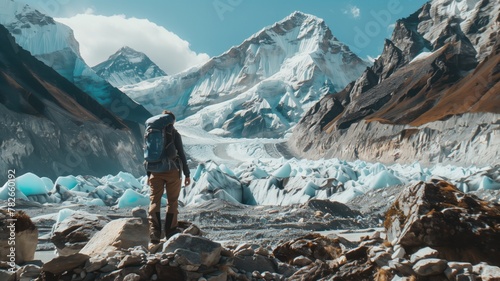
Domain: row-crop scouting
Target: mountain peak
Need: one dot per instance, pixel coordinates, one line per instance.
(129, 54)
(261, 87)
(301, 17)
(128, 66)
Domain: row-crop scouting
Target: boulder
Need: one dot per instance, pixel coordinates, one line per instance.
(118, 234)
(455, 268)
(210, 252)
(334, 208)
(423, 253)
(313, 246)
(74, 232)
(461, 227)
(61, 264)
(18, 233)
(428, 267)
(28, 272)
(255, 263)
(487, 272)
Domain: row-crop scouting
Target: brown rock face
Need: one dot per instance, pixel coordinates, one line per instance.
(314, 246)
(460, 226)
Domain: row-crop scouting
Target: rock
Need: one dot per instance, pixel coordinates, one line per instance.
(360, 252)
(189, 228)
(65, 263)
(436, 214)
(262, 251)
(95, 263)
(132, 277)
(7, 275)
(314, 271)
(402, 266)
(381, 258)
(19, 229)
(129, 260)
(401, 278)
(75, 231)
(187, 257)
(399, 253)
(314, 246)
(490, 273)
(166, 272)
(209, 251)
(301, 261)
(428, 267)
(466, 277)
(28, 272)
(217, 276)
(455, 268)
(423, 253)
(354, 271)
(334, 208)
(118, 234)
(141, 213)
(255, 263)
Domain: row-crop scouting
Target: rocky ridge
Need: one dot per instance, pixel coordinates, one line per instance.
(410, 97)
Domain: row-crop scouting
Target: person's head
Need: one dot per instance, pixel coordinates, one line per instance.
(168, 112)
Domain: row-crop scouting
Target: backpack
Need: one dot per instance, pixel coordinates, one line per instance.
(160, 154)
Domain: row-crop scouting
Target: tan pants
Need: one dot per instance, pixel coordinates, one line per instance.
(158, 182)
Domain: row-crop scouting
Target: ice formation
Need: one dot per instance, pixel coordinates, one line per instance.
(264, 181)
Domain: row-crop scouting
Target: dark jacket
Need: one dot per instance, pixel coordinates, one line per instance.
(180, 153)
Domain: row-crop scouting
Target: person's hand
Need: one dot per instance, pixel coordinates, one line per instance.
(187, 181)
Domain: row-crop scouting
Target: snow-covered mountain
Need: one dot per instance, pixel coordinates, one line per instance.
(51, 127)
(260, 88)
(432, 96)
(128, 66)
(54, 44)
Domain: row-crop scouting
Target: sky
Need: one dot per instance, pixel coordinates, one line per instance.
(179, 34)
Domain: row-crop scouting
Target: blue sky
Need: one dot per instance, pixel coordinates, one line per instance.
(212, 26)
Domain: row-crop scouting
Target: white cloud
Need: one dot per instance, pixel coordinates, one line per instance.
(101, 36)
(354, 11)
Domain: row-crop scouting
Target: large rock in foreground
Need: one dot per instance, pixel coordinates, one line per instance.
(74, 232)
(460, 226)
(118, 234)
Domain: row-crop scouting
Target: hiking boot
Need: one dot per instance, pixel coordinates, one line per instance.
(155, 228)
(169, 230)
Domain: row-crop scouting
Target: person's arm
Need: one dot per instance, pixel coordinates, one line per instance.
(182, 156)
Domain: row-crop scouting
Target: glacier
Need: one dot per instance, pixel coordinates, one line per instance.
(256, 179)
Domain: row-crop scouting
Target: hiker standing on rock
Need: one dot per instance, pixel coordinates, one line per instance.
(164, 160)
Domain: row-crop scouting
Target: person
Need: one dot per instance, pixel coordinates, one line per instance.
(171, 182)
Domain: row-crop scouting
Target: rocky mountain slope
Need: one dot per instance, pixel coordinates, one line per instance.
(432, 96)
(127, 66)
(50, 127)
(263, 86)
(54, 44)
